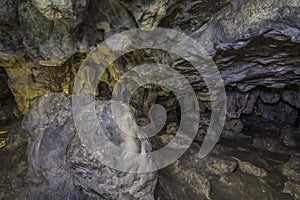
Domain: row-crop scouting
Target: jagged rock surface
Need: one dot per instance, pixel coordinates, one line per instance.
(251, 48)
(61, 168)
(255, 45)
(60, 9)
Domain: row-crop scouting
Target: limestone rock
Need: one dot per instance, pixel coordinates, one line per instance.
(287, 136)
(236, 103)
(57, 157)
(60, 9)
(233, 127)
(255, 45)
(188, 16)
(252, 97)
(280, 112)
(292, 169)
(191, 175)
(269, 96)
(47, 33)
(242, 186)
(33, 34)
(178, 182)
(217, 166)
(254, 66)
(8, 11)
(292, 97)
(293, 188)
(269, 144)
(149, 14)
(218, 162)
(250, 168)
(10, 42)
(51, 42)
(224, 31)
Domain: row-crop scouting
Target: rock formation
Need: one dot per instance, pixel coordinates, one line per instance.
(61, 167)
(255, 45)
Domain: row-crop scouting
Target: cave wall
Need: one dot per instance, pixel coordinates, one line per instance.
(255, 45)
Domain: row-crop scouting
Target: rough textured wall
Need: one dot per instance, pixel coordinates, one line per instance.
(255, 45)
(61, 167)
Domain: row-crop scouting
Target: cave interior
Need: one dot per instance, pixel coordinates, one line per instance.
(255, 46)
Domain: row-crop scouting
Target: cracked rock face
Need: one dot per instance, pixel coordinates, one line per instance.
(57, 157)
(60, 9)
(254, 44)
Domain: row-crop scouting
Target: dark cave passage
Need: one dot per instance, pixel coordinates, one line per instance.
(8, 104)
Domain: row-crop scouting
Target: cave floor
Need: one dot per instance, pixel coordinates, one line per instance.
(264, 169)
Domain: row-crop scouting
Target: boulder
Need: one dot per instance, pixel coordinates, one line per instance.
(61, 167)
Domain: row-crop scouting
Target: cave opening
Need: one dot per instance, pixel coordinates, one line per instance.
(274, 111)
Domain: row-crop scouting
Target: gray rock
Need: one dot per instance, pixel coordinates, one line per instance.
(224, 31)
(34, 34)
(242, 186)
(3, 83)
(188, 16)
(8, 11)
(287, 136)
(262, 52)
(176, 182)
(269, 144)
(51, 42)
(149, 14)
(281, 112)
(57, 157)
(292, 97)
(255, 45)
(292, 188)
(292, 169)
(252, 97)
(190, 176)
(250, 168)
(217, 162)
(234, 125)
(58, 9)
(268, 96)
(236, 102)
